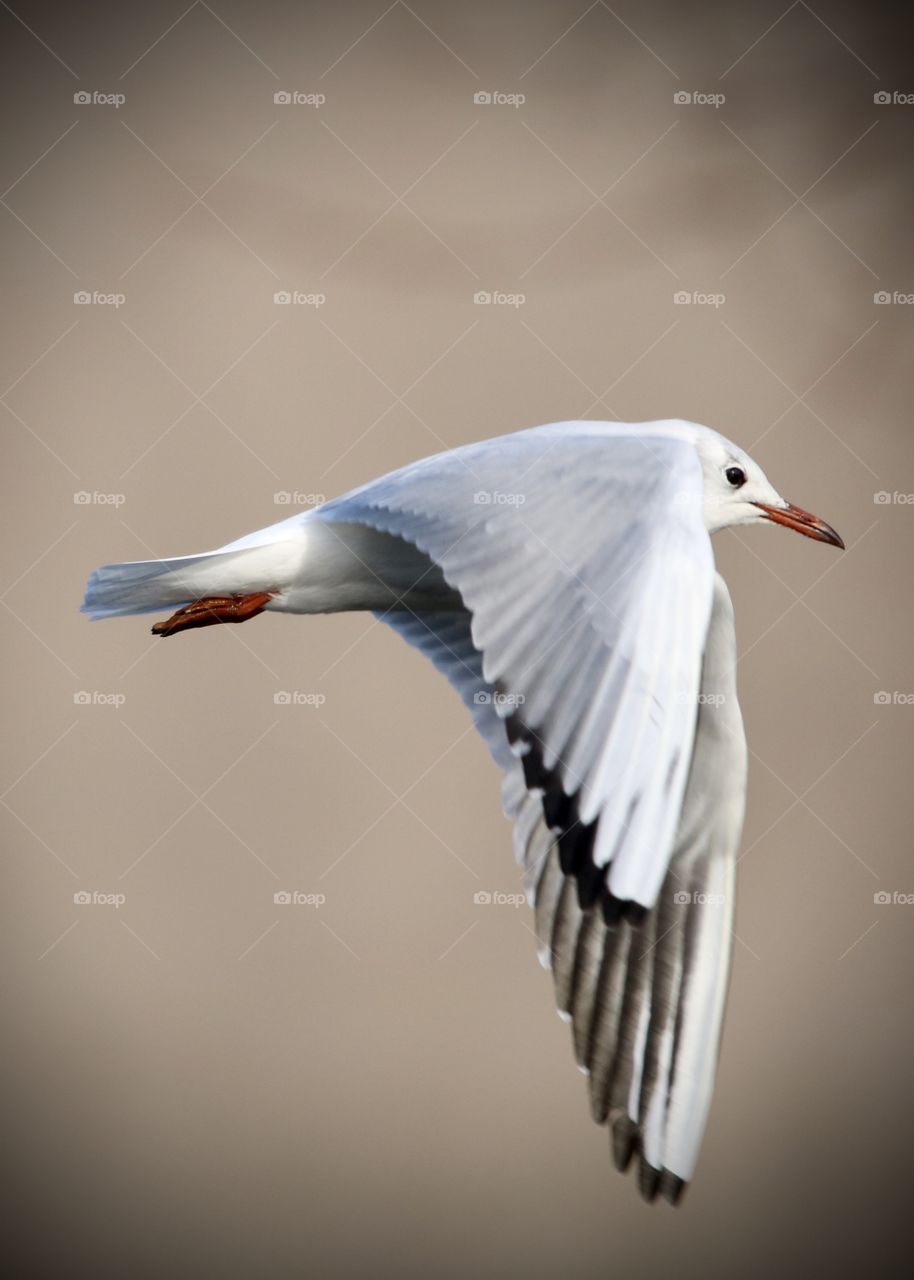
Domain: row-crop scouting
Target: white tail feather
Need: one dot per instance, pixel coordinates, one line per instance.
(144, 586)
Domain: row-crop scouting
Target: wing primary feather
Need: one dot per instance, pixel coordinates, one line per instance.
(602, 1036)
(587, 610)
(624, 1142)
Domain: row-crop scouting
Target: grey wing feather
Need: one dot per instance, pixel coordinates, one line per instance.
(644, 993)
(646, 1001)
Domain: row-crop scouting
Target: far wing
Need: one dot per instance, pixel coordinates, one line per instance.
(585, 567)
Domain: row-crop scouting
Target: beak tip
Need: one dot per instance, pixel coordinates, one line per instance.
(803, 522)
(825, 533)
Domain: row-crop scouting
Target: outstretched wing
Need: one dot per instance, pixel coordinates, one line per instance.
(645, 1000)
(582, 559)
(586, 573)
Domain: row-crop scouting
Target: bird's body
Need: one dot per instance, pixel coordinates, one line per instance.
(562, 579)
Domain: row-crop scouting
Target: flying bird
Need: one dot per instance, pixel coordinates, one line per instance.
(562, 579)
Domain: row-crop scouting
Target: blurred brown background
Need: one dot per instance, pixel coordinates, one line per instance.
(201, 1081)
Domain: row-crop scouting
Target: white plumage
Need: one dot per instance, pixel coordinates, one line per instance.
(562, 579)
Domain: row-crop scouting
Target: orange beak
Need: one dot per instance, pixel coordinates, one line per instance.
(796, 518)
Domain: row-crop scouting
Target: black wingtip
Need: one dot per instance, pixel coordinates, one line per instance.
(649, 1180)
(624, 1142)
(672, 1188)
(653, 1183)
(616, 909)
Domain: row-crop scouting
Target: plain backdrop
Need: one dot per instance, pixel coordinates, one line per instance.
(202, 1081)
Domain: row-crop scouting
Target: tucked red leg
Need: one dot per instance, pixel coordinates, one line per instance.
(212, 609)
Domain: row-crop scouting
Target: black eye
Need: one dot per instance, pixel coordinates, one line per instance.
(735, 476)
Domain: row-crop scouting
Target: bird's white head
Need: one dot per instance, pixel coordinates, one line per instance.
(737, 491)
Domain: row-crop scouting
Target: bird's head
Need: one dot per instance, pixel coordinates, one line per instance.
(737, 491)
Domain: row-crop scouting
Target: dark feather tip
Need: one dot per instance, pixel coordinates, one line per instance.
(624, 1142)
(648, 1180)
(616, 909)
(672, 1188)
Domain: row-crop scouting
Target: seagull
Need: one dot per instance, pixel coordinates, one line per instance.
(562, 579)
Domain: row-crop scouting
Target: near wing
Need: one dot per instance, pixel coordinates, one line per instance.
(586, 643)
(646, 1001)
(583, 560)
